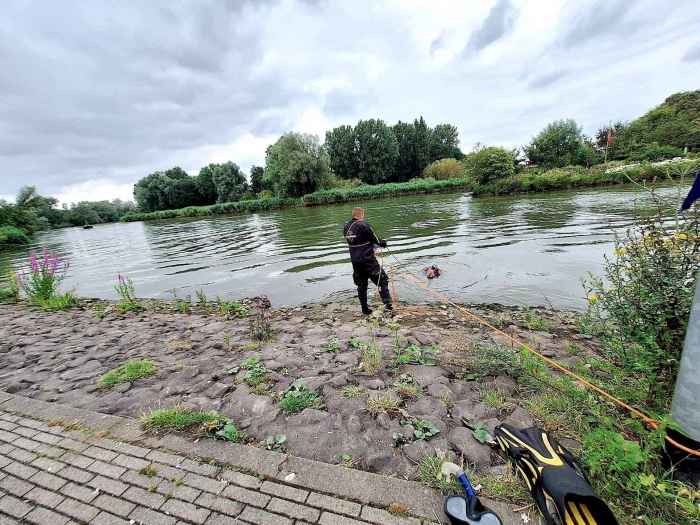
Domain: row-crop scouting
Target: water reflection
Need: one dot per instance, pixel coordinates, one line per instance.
(521, 250)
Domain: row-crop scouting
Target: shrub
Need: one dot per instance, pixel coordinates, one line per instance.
(9, 287)
(644, 310)
(445, 169)
(489, 165)
(653, 152)
(11, 235)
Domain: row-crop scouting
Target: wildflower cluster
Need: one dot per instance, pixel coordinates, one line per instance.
(262, 327)
(125, 289)
(42, 280)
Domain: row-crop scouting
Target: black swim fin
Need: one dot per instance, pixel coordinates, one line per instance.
(559, 486)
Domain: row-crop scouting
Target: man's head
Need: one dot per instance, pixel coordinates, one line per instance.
(358, 213)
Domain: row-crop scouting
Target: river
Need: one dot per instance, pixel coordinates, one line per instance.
(523, 250)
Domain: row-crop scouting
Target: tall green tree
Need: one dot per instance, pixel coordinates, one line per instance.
(296, 164)
(167, 190)
(341, 147)
(257, 183)
(230, 182)
(205, 184)
(444, 143)
(559, 144)
(421, 146)
(377, 151)
(405, 135)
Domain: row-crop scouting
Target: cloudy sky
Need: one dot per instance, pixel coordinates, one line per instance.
(95, 95)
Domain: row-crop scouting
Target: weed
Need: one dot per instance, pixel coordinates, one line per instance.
(222, 428)
(351, 392)
(407, 386)
(397, 509)
(346, 461)
(332, 346)
(128, 372)
(261, 389)
(261, 330)
(415, 355)
(448, 401)
(54, 422)
(174, 292)
(535, 323)
(178, 482)
(178, 367)
(298, 397)
(201, 297)
(167, 496)
(371, 357)
(152, 488)
(176, 418)
(227, 341)
(74, 425)
(148, 471)
(422, 428)
(496, 399)
(125, 289)
(274, 443)
(382, 404)
(183, 307)
(573, 348)
(284, 371)
(250, 346)
(176, 344)
(44, 278)
(232, 309)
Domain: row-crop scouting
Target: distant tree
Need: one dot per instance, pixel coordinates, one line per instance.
(256, 179)
(296, 164)
(421, 146)
(444, 169)
(229, 181)
(444, 143)
(341, 145)
(559, 144)
(167, 190)
(489, 164)
(205, 184)
(405, 135)
(377, 151)
(183, 193)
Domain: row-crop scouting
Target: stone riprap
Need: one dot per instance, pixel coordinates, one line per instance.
(59, 357)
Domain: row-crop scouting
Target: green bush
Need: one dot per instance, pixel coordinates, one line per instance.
(11, 235)
(653, 152)
(489, 165)
(445, 169)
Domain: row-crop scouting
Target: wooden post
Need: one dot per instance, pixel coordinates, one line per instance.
(391, 278)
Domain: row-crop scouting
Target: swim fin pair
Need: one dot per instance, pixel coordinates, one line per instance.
(559, 486)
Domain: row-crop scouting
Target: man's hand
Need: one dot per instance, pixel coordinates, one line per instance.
(382, 243)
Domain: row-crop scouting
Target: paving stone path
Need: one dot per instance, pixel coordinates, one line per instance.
(60, 465)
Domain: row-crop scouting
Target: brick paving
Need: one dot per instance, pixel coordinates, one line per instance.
(106, 471)
(52, 475)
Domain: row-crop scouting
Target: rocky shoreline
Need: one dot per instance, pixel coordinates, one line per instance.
(60, 357)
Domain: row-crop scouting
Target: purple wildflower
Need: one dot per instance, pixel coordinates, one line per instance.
(20, 280)
(35, 263)
(121, 279)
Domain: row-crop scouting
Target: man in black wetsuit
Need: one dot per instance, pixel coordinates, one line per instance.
(361, 239)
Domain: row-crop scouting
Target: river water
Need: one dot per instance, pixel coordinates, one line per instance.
(524, 250)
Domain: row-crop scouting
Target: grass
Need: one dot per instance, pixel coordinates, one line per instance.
(58, 302)
(506, 488)
(128, 372)
(382, 404)
(176, 418)
(250, 346)
(371, 357)
(397, 509)
(148, 471)
(177, 344)
(298, 398)
(351, 392)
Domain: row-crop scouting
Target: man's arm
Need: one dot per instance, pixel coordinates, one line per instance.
(374, 237)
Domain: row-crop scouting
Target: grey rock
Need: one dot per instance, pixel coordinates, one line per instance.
(465, 443)
(383, 420)
(373, 384)
(339, 380)
(123, 387)
(440, 390)
(217, 390)
(519, 419)
(417, 450)
(349, 359)
(505, 384)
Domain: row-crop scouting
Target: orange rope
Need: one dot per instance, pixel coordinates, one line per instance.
(654, 423)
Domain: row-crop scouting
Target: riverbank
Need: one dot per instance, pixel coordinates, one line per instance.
(557, 179)
(440, 369)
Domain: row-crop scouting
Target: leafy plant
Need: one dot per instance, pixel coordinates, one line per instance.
(44, 277)
(481, 434)
(415, 355)
(201, 297)
(274, 443)
(9, 287)
(332, 346)
(371, 357)
(232, 309)
(182, 306)
(422, 428)
(298, 397)
(223, 428)
(535, 323)
(407, 386)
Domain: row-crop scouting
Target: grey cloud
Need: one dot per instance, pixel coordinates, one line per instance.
(693, 53)
(497, 24)
(437, 44)
(111, 87)
(604, 17)
(547, 79)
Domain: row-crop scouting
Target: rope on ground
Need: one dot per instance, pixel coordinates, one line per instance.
(653, 422)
